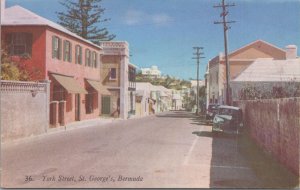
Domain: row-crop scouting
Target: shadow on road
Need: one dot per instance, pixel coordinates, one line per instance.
(237, 162)
(177, 114)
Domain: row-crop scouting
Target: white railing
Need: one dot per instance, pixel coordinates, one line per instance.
(20, 86)
(114, 45)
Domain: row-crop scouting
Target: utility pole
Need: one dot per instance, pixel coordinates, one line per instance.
(226, 27)
(198, 57)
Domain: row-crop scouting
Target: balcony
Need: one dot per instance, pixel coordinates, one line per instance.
(132, 86)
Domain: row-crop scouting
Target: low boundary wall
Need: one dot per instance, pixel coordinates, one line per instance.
(274, 125)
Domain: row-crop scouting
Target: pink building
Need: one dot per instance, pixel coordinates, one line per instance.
(50, 52)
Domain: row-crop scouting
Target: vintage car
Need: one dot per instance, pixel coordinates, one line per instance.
(229, 119)
(211, 111)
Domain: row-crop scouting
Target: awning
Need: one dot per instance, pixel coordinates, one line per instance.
(70, 84)
(99, 87)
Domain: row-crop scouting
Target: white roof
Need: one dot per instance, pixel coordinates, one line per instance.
(17, 15)
(194, 83)
(267, 70)
(143, 85)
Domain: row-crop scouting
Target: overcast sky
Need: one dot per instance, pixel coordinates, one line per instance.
(163, 32)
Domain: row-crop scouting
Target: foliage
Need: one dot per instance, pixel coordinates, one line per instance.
(281, 90)
(11, 70)
(82, 16)
(167, 81)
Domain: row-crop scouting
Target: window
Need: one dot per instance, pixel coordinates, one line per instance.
(67, 51)
(217, 78)
(78, 54)
(94, 60)
(87, 57)
(19, 43)
(56, 47)
(113, 74)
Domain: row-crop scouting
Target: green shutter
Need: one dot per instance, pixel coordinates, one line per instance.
(76, 54)
(96, 60)
(86, 60)
(59, 49)
(53, 44)
(80, 55)
(64, 50)
(70, 54)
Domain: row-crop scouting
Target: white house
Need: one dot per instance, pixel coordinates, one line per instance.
(152, 72)
(268, 76)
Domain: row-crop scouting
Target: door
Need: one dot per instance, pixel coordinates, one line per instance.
(105, 105)
(77, 107)
(138, 109)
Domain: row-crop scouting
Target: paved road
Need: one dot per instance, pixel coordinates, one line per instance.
(173, 149)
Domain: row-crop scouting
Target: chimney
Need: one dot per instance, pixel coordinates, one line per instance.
(291, 52)
(2, 9)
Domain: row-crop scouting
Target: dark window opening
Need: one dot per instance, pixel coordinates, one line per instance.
(19, 43)
(113, 74)
(89, 103)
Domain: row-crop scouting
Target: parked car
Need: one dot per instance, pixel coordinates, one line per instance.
(229, 119)
(211, 111)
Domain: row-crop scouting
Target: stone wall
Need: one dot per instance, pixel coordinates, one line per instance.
(24, 109)
(274, 124)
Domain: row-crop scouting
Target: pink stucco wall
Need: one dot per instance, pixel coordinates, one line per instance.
(41, 60)
(80, 73)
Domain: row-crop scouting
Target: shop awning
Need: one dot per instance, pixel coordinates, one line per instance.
(70, 84)
(98, 87)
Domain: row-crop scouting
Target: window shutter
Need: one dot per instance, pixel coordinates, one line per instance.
(59, 48)
(64, 51)
(70, 53)
(53, 46)
(80, 55)
(76, 54)
(96, 60)
(86, 57)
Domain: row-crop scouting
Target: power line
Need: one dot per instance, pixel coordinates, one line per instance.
(225, 28)
(198, 57)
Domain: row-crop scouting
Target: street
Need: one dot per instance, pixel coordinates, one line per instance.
(173, 149)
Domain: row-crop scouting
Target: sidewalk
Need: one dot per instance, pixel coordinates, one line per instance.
(75, 125)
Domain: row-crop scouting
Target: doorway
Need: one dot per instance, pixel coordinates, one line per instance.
(105, 105)
(77, 107)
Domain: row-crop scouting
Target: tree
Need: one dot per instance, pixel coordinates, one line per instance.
(82, 17)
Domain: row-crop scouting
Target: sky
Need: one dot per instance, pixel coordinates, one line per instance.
(164, 32)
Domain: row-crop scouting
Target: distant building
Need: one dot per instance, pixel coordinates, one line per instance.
(151, 99)
(239, 60)
(151, 72)
(268, 78)
(118, 76)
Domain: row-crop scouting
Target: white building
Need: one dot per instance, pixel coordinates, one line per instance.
(268, 77)
(151, 72)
